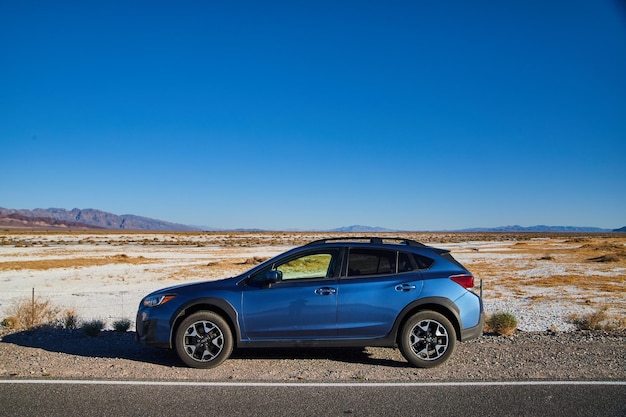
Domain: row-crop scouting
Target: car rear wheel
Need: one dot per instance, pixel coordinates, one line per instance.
(427, 339)
(203, 340)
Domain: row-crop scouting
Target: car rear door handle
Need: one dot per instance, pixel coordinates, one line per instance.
(405, 287)
(325, 291)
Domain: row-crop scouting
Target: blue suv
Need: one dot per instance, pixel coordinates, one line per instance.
(370, 291)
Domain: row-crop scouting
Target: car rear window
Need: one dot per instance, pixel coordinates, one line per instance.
(449, 257)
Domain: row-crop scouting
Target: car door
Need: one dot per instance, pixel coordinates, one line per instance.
(301, 304)
(379, 283)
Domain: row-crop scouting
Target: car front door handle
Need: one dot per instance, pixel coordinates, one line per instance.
(325, 291)
(405, 287)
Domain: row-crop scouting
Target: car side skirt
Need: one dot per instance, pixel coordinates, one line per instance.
(380, 342)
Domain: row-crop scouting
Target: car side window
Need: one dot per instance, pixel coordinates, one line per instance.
(371, 262)
(423, 262)
(315, 265)
(311, 265)
(408, 262)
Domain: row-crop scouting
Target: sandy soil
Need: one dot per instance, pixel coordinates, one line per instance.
(542, 279)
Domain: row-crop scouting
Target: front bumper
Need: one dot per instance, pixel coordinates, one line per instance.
(152, 331)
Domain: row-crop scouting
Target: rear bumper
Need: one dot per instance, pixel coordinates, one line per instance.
(474, 332)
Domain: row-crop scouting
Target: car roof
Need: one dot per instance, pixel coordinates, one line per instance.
(371, 240)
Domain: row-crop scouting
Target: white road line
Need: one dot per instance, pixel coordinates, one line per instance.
(306, 384)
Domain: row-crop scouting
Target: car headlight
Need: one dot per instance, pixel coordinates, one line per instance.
(156, 300)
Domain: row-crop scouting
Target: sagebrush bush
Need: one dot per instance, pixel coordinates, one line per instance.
(32, 312)
(70, 319)
(121, 325)
(502, 323)
(598, 320)
(93, 327)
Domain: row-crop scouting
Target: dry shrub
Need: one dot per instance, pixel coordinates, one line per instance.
(121, 325)
(32, 312)
(598, 320)
(502, 323)
(70, 319)
(93, 328)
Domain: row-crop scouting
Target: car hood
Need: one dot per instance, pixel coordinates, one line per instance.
(196, 286)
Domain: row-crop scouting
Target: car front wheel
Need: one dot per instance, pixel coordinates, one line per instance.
(204, 340)
(427, 339)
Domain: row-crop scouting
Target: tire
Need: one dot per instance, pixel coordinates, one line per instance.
(203, 340)
(427, 339)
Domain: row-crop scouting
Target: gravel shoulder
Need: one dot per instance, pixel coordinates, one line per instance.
(70, 354)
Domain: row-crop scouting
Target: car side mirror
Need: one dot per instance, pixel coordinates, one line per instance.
(271, 277)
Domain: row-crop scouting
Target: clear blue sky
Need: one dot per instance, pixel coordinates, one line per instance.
(419, 115)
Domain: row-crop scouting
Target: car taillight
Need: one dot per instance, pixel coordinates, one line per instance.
(464, 280)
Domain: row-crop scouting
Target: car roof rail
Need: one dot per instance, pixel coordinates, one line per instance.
(370, 239)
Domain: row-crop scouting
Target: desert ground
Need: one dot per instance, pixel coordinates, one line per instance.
(543, 279)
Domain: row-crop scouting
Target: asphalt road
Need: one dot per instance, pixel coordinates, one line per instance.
(110, 398)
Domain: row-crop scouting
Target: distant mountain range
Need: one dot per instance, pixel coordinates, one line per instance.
(500, 229)
(361, 229)
(539, 228)
(83, 219)
(18, 221)
(58, 218)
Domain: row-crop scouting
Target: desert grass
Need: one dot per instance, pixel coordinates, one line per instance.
(589, 264)
(599, 319)
(592, 283)
(80, 262)
(576, 250)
